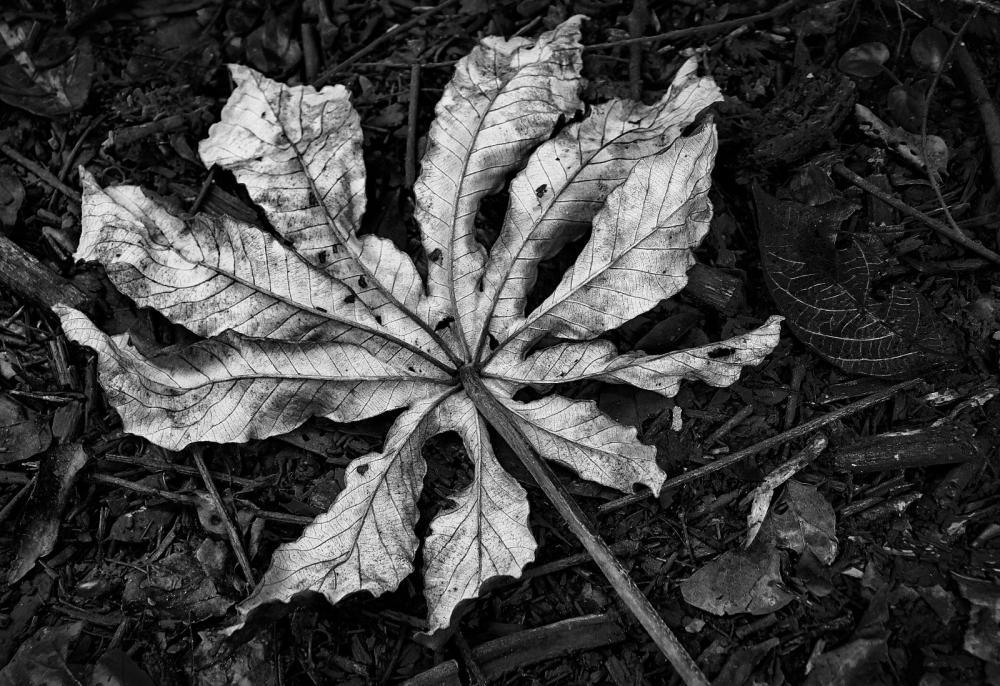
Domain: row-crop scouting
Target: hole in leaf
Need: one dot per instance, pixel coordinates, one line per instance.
(444, 323)
(378, 319)
(540, 191)
(494, 343)
(720, 352)
(362, 282)
(362, 469)
(321, 256)
(350, 299)
(321, 309)
(435, 256)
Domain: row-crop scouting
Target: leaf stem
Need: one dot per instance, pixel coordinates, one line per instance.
(583, 529)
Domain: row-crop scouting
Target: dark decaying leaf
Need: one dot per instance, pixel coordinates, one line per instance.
(864, 60)
(928, 49)
(804, 520)
(41, 660)
(826, 293)
(11, 196)
(740, 580)
(43, 513)
(51, 77)
(22, 433)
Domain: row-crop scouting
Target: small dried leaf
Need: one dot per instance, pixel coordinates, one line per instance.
(804, 520)
(864, 61)
(928, 49)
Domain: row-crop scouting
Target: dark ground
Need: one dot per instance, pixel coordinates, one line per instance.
(911, 595)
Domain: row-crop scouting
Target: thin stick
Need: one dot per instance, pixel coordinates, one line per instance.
(154, 465)
(411, 130)
(380, 41)
(478, 678)
(942, 229)
(578, 523)
(766, 444)
(234, 534)
(931, 175)
(41, 172)
(700, 30)
(987, 109)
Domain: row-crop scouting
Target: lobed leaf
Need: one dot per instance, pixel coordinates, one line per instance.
(365, 541)
(298, 152)
(504, 99)
(485, 534)
(233, 388)
(639, 251)
(567, 180)
(717, 364)
(324, 322)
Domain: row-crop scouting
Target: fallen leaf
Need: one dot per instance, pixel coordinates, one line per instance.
(41, 660)
(826, 293)
(23, 433)
(856, 662)
(116, 668)
(864, 61)
(49, 79)
(11, 196)
(324, 322)
(743, 580)
(982, 636)
(804, 520)
(42, 515)
(176, 587)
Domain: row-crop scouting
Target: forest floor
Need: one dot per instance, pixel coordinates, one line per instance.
(881, 561)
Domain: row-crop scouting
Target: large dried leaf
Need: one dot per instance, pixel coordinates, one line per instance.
(322, 322)
(827, 293)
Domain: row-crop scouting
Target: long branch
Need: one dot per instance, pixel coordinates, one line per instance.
(581, 527)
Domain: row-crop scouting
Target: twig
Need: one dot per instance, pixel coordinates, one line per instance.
(234, 533)
(766, 444)
(943, 229)
(700, 30)
(578, 523)
(478, 678)
(411, 130)
(987, 109)
(931, 175)
(389, 35)
(729, 425)
(154, 465)
(206, 186)
(184, 499)
(989, 5)
(636, 27)
(41, 172)
(67, 165)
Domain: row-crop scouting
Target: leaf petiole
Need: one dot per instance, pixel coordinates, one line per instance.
(582, 528)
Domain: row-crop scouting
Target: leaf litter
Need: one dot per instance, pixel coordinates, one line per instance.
(324, 322)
